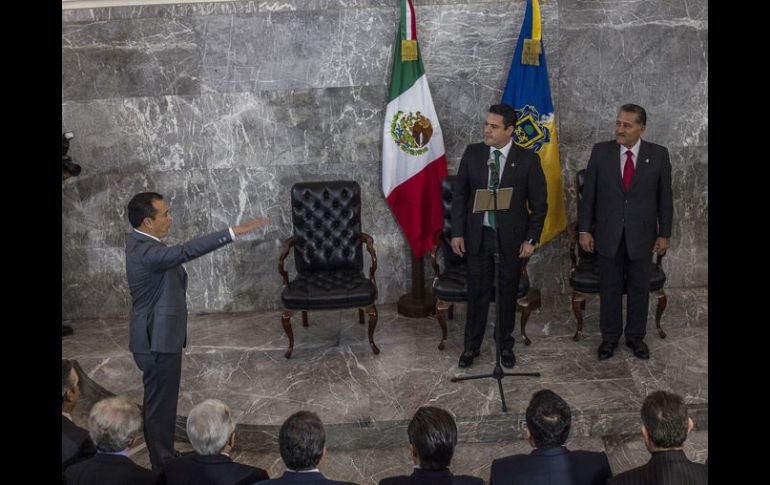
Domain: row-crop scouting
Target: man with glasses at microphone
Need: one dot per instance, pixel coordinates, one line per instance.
(496, 162)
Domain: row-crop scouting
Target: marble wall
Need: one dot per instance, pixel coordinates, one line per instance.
(222, 107)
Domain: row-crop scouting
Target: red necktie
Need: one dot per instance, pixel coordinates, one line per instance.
(628, 170)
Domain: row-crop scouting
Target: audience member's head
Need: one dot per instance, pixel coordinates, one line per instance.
(665, 422)
(210, 427)
(548, 419)
(301, 440)
(114, 424)
(432, 436)
(70, 386)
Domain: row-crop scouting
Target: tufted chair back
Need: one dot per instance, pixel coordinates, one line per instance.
(328, 255)
(327, 225)
(450, 258)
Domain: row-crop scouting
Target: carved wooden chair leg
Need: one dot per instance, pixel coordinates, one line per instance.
(528, 304)
(371, 310)
(441, 310)
(361, 316)
(525, 311)
(578, 305)
(662, 302)
(304, 318)
(286, 322)
(451, 312)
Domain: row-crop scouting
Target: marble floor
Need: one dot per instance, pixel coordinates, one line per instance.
(366, 400)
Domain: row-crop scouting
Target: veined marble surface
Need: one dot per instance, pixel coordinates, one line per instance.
(366, 400)
(223, 106)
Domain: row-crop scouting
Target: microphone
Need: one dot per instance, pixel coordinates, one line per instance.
(494, 183)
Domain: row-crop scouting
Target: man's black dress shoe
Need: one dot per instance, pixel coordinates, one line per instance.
(507, 358)
(639, 347)
(606, 349)
(466, 358)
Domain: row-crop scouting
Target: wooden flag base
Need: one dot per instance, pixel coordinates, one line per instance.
(418, 303)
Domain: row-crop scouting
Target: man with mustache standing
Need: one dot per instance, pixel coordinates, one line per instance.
(626, 215)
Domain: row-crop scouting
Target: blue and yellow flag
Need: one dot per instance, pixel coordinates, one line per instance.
(528, 91)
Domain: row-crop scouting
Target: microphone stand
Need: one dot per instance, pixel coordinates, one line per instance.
(497, 372)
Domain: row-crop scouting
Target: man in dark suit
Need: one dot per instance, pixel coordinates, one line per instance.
(158, 328)
(665, 425)
(626, 214)
(475, 232)
(302, 440)
(211, 430)
(548, 425)
(76, 445)
(432, 439)
(114, 424)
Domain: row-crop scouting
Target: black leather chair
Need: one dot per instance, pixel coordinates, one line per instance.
(328, 255)
(584, 273)
(449, 285)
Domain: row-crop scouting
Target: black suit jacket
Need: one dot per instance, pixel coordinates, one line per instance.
(306, 478)
(210, 470)
(665, 468)
(524, 173)
(158, 285)
(546, 466)
(432, 477)
(76, 444)
(103, 469)
(646, 211)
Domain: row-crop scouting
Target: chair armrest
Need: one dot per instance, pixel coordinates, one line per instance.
(438, 238)
(524, 262)
(287, 245)
(369, 241)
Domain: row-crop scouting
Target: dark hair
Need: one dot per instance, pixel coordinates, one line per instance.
(664, 414)
(434, 433)
(641, 114)
(140, 206)
(548, 419)
(66, 377)
(301, 440)
(506, 111)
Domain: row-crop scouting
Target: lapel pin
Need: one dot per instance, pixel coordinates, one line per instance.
(646, 160)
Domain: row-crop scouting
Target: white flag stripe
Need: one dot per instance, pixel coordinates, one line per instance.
(409, 33)
(416, 98)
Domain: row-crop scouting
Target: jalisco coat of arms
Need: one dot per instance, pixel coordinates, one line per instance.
(530, 131)
(411, 132)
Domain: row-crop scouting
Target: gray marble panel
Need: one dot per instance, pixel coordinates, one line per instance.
(599, 13)
(130, 135)
(293, 127)
(329, 49)
(94, 282)
(304, 82)
(124, 58)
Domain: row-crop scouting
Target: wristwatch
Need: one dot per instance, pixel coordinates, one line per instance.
(532, 242)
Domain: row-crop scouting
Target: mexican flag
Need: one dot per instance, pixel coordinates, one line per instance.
(413, 160)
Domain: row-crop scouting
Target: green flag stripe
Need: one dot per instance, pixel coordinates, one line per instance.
(404, 74)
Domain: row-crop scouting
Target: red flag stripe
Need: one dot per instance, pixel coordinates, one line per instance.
(411, 21)
(416, 204)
